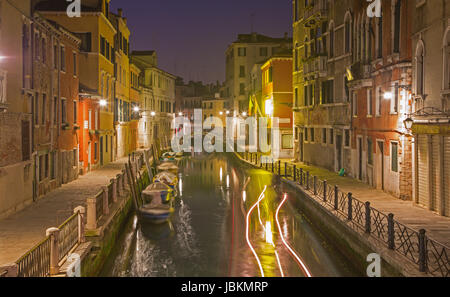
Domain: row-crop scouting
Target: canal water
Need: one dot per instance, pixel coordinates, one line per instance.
(212, 234)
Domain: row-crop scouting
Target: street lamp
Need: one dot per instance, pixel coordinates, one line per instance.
(153, 113)
(221, 113)
(244, 114)
(408, 123)
(180, 114)
(227, 112)
(103, 102)
(136, 109)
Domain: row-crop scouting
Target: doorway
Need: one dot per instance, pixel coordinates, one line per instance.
(360, 156)
(301, 146)
(338, 152)
(101, 150)
(380, 165)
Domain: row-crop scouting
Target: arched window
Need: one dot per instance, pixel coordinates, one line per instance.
(446, 57)
(348, 33)
(396, 14)
(420, 73)
(306, 48)
(331, 40)
(379, 46)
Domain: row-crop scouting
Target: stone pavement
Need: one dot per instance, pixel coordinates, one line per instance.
(405, 212)
(23, 230)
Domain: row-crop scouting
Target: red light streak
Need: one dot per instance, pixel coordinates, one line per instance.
(261, 197)
(291, 251)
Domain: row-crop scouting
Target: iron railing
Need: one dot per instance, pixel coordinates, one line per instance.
(430, 255)
(68, 235)
(36, 262)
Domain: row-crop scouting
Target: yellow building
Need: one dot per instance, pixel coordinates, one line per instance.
(96, 72)
(136, 105)
(123, 108)
(214, 107)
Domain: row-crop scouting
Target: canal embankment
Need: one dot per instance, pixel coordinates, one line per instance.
(357, 228)
(88, 215)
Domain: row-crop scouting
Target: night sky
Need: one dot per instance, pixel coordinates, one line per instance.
(191, 37)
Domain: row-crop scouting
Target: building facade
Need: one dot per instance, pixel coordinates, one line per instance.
(96, 76)
(241, 55)
(276, 97)
(17, 166)
(431, 103)
(380, 90)
(162, 85)
(322, 54)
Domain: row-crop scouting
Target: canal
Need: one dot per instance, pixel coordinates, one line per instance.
(219, 229)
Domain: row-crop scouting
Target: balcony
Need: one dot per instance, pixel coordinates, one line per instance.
(316, 65)
(318, 10)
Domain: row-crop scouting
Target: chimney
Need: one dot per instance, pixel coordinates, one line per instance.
(119, 12)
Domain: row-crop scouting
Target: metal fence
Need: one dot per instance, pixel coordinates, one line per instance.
(36, 262)
(430, 255)
(68, 235)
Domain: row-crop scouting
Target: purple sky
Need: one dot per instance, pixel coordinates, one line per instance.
(191, 36)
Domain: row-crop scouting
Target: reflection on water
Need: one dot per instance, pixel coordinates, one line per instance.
(206, 235)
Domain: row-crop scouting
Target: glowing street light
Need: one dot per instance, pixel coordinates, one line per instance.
(103, 103)
(136, 109)
(153, 113)
(387, 95)
(244, 114)
(227, 112)
(180, 114)
(221, 113)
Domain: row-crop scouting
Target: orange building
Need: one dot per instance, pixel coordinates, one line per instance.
(88, 135)
(277, 97)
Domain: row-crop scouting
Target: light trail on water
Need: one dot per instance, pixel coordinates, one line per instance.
(261, 197)
(291, 251)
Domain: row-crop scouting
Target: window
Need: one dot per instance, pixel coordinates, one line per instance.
(53, 166)
(55, 110)
(63, 111)
(26, 140)
(263, 52)
(331, 136)
(63, 58)
(296, 97)
(420, 69)
(241, 89)
(95, 150)
(347, 28)
(55, 56)
(396, 23)
(44, 52)
(242, 71)
(394, 156)
(270, 74)
(102, 45)
(306, 134)
(378, 101)
(395, 98)
(36, 45)
(96, 120)
(347, 138)
(242, 52)
(44, 109)
(346, 89)
(324, 135)
(327, 92)
(369, 151)
(354, 104)
(312, 135)
(369, 102)
(75, 112)
(287, 141)
(380, 38)
(36, 109)
(331, 48)
(46, 166)
(74, 64)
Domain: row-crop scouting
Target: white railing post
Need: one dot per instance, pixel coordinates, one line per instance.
(91, 213)
(105, 200)
(54, 250)
(114, 189)
(81, 212)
